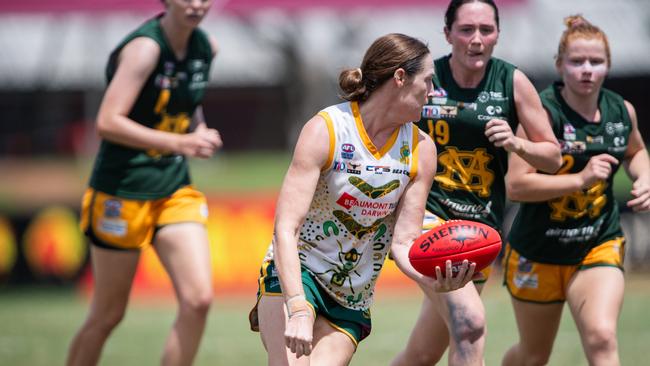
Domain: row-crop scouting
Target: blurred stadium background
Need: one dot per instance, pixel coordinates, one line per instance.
(278, 64)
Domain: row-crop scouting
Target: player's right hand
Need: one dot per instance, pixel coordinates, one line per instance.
(449, 282)
(598, 168)
(299, 332)
(203, 142)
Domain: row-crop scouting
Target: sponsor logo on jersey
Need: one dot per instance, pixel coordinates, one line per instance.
(463, 105)
(195, 65)
(448, 111)
(573, 147)
(439, 100)
(439, 93)
(485, 96)
(112, 208)
(595, 139)
(339, 166)
(524, 265)
(369, 208)
(492, 110)
(165, 82)
(484, 117)
(526, 280)
(577, 234)
(497, 96)
(468, 210)
(404, 153)
(346, 167)
(353, 168)
(430, 111)
(614, 128)
(569, 132)
(198, 81)
(168, 66)
(347, 151)
(401, 171)
(465, 170)
(384, 169)
(378, 169)
(113, 226)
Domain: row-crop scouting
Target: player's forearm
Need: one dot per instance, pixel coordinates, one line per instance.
(544, 155)
(536, 187)
(400, 256)
(285, 256)
(124, 131)
(638, 167)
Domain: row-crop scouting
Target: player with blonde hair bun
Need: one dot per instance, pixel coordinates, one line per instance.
(566, 244)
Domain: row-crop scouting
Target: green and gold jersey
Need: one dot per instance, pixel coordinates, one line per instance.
(347, 232)
(565, 229)
(469, 181)
(166, 102)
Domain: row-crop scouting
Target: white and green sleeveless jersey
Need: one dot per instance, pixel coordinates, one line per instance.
(348, 229)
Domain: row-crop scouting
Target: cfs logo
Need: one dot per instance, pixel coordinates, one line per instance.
(378, 169)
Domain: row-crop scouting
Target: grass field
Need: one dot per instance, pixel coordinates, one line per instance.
(37, 325)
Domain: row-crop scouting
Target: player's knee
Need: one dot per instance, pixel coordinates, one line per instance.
(106, 321)
(467, 327)
(535, 358)
(197, 304)
(601, 340)
(427, 358)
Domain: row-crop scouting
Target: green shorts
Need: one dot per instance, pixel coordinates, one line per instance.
(355, 324)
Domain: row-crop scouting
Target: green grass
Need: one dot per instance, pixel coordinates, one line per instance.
(37, 325)
(240, 172)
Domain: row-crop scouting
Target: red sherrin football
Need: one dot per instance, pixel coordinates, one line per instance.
(455, 240)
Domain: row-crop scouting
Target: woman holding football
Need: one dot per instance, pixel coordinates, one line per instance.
(337, 217)
(567, 236)
(478, 102)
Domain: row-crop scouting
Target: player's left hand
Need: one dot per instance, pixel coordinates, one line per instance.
(500, 134)
(641, 192)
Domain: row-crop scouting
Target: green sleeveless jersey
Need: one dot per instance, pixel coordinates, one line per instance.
(565, 229)
(469, 180)
(166, 102)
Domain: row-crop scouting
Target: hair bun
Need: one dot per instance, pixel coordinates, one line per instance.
(575, 21)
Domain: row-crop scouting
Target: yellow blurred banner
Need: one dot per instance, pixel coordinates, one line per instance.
(240, 228)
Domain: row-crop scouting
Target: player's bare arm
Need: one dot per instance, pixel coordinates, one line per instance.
(297, 191)
(637, 165)
(541, 148)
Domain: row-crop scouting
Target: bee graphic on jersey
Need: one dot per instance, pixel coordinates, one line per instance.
(343, 270)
